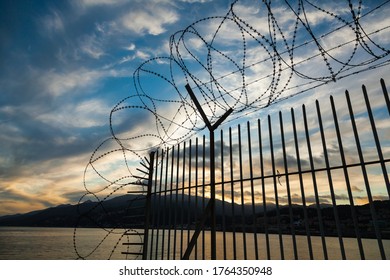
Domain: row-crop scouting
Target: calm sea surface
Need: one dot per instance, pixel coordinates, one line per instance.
(29, 243)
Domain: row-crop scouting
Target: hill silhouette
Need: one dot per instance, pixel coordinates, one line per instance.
(127, 211)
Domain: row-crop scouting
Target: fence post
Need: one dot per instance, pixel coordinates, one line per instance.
(211, 205)
(148, 206)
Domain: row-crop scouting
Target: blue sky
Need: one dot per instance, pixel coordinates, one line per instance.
(66, 64)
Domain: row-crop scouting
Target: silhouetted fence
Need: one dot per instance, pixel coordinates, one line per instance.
(309, 183)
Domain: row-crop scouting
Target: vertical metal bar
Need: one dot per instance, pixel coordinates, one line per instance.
(154, 204)
(366, 181)
(170, 204)
(223, 198)
(176, 204)
(182, 201)
(252, 191)
(213, 235)
(148, 207)
(232, 193)
(314, 178)
(243, 218)
(263, 190)
(154, 199)
(330, 180)
(309, 244)
(204, 191)
(377, 142)
(189, 191)
(291, 213)
(385, 95)
(275, 188)
(164, 211)
(158, 224)
(347, 181)
(196, 187)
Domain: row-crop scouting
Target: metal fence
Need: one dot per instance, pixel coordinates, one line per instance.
(306, 183)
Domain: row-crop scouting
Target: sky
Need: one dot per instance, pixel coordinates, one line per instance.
(65, 65)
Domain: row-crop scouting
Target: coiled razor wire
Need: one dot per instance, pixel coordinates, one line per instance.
(244, 60)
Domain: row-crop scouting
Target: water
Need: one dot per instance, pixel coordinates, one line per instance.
(30, 243)
(35, 243)
(235, 248)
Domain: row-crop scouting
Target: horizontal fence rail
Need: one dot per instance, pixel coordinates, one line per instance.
(308, 183)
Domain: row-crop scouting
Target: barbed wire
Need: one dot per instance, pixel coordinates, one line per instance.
(244, 61)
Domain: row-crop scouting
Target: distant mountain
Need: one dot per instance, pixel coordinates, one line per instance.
(112, 212)
(68, 215)
(122, 210)
(128, 211)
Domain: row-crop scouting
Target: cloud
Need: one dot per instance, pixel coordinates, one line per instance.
(196, 1)
(58, 83)
(15, 200)
(142, 55)
(130, 47)
(356, 188)
(150, 20)
(53, 23)
(42, 183)
(86, 114)
(39, 87)
(91, 3)
(90, 45)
